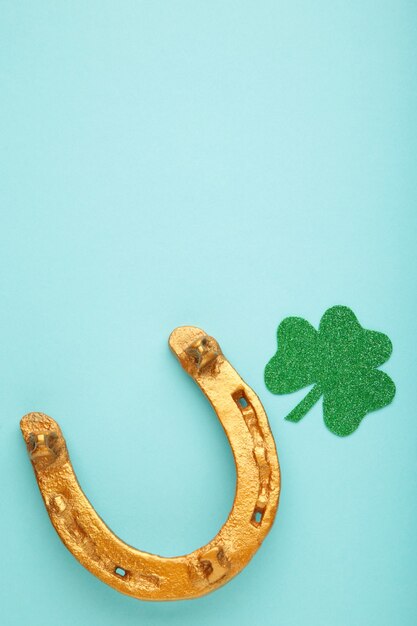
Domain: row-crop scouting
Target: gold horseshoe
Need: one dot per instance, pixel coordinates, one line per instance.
(148, 576)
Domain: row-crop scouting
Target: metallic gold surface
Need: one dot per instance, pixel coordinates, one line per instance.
(148, 576)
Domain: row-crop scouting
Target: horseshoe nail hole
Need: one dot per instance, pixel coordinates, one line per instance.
(257, 517)
(240, 399)
(119, 571)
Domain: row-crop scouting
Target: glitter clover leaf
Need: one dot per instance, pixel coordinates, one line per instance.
(340, 360)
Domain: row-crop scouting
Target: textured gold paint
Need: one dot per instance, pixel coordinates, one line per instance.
(148, 576)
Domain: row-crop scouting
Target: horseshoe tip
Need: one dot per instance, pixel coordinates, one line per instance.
(183, 336)
(37, 423)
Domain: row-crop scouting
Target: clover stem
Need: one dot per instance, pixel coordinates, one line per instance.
(305, 405)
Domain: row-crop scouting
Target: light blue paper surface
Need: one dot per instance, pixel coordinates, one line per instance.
(221, 164)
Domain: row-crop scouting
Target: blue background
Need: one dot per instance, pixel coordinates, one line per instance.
(223, 164)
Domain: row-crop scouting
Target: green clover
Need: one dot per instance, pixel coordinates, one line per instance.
(340, 360)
